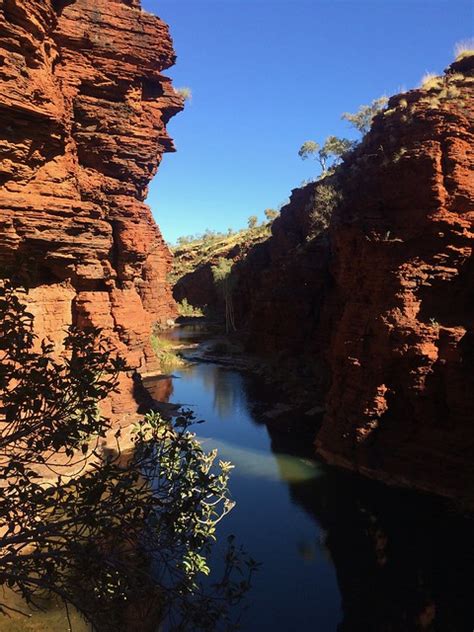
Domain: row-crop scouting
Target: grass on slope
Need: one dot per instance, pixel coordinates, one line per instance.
(188, 257)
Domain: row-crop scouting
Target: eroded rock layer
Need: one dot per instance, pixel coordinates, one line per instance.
(401, 358)
(84, 107)
(380, 305)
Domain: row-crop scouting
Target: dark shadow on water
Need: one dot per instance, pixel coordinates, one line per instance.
(404, 562)
(339, 552)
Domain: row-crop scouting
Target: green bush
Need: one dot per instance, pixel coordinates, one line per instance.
(166, 353)
(186, 309)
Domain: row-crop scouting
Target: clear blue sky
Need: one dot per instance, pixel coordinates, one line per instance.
(266, 75)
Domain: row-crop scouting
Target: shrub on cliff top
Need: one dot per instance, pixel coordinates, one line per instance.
(362, 119)
(430, 81)
(271, 215)
(185, 93)
(464, 48)
(102, 534)
(252, 222)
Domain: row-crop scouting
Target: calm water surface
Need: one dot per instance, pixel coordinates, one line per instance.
(338, 553)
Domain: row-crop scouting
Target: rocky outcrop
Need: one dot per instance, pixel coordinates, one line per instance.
(84, 107)
(380, 304)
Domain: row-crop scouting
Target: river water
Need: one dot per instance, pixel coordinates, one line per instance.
(337, 552)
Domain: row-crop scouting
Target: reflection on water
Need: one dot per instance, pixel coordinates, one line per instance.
(258, 464)
(339, 553)
(160, 388)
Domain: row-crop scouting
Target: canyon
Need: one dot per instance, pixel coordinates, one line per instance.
(376, 304)
(380, 303)
(84, 107)
(363, 296)
(365, 289)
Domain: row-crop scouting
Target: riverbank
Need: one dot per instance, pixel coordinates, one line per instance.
(292, 410)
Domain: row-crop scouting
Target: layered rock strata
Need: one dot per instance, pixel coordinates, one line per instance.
(380, 303)
(401, 357)
(84, 107)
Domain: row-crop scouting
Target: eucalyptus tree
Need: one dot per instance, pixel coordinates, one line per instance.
(362, 119)
(225, 281)
(329, 154)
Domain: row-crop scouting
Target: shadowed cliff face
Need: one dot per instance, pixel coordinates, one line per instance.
(380, 304)
(401, 399)
(84, 108)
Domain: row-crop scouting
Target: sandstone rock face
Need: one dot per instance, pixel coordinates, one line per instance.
(281, 292)
(84, 108)
(380, 304)
(401, 358)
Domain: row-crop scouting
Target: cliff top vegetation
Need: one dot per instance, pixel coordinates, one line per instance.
(193, 251)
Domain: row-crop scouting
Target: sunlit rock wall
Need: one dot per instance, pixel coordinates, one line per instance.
(401, 357)
(84, 107)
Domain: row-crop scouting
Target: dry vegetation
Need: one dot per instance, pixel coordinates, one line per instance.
(166, 352)
(191, 255)
(464, 48)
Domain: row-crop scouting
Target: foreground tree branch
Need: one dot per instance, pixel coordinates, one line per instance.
(124, 529)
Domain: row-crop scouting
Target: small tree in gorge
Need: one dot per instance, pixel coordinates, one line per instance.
(98, 533)
(224, 280)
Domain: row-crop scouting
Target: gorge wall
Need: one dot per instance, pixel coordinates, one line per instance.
(379, 305)
(84, 107)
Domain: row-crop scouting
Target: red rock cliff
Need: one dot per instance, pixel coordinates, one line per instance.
(401, 358)
(381, 305)
(84, 108)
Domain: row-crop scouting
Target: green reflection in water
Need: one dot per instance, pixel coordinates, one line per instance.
(255, 463)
